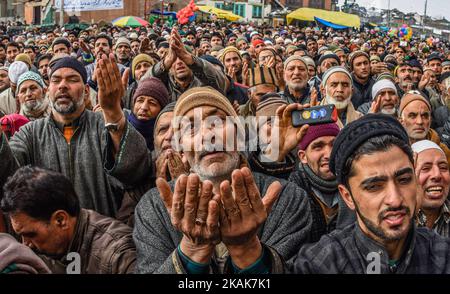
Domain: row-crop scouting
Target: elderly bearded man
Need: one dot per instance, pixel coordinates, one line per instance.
(200, 228)
(86, 147)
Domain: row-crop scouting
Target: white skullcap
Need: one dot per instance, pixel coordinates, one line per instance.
(333, 70)
(381, 85)
(16, 69)
(425, 145)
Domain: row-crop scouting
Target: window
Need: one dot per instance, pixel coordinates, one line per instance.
(219, 5)
(239, 9)
(256, 11)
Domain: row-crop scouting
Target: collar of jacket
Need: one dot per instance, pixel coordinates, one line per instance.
(78, 235)
(76, 123)
(443, 214)
(305, 94)
(368, 247)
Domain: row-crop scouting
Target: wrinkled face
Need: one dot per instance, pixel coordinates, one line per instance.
(342, 57)
(339, 90)
(233, 60)
(11, 53)
(123, 52)
(435, 65)
(317, 156)
(444, 68)
(389, 101)
(384, 192)
(30, 95)
(404, 76)
(296, 75)
(217, 162)
(327, 64)
(4, 80)
(101, 46)
(433, 79)
(43, 237)
(434, 177)
(242, 45)
(141, 69)
(43, 68)
(361, 67)
(61, 48)
(163, 133)
(206, 47)
(146, 108)
(416, 75)
(416, 119)
(135, 47)
(264, 57)
(67, 91)
(180, 70)
(216, 41)
(258, 91)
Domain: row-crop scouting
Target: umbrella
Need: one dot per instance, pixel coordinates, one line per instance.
(129, 21)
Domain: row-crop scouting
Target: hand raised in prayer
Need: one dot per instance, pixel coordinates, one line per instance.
(242, 213)
(178, 47)
(194, 212)
(110, 84)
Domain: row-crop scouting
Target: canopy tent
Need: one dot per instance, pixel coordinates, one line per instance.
(165, 13)
(219, 12)
(335, 17)
(330, 24)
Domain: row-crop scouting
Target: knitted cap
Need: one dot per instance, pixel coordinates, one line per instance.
(317, 131)
(410, 97)
(203, 96)
(69, 62)
(359, 131)
(228, 50)
(292, 58)
(257, 42)
(381, 85)
(138, 59)
(16, 69)
(123, 40)
(354, 55)
(333, 70)
(327, 56)
(29, 76)
(168, 108)
(262, 75)
(24, 58)
(269, 104)
(154, 88)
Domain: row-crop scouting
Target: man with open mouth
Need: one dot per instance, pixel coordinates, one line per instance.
(434, 177)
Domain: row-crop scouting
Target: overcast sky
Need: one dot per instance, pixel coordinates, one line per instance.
(435, 8)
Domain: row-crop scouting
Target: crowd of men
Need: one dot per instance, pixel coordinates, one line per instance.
(95, 161)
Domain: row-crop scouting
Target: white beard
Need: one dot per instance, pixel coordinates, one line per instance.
(391, 111)
(337, 104)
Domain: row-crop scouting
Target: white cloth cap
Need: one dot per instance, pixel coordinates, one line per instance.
(333, 70)
(381, 85)
(425, 145)
(16, 69)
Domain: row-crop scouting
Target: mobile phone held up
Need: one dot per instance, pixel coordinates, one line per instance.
(314, 115)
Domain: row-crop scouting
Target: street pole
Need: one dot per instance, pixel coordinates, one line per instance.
(61, 14)
(162, 12)
(262, 12)
(389, 13)
(424, 16)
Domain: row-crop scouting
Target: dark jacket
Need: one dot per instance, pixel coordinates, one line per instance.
(87, 161)
(285, 230)
(286, 95)
(237, 92)
(281, 170)
(344, 217)
(362, 93)
(205, 74)
(105, 246)
(350, 251)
